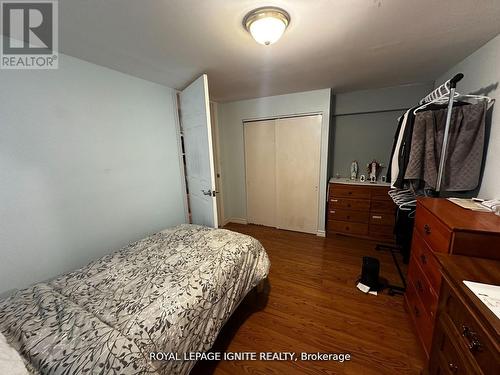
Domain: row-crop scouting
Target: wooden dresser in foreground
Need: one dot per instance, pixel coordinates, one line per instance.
(467, 333)
(362, 210)
(442, 227)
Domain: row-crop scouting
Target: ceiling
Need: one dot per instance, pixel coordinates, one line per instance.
(343, 44)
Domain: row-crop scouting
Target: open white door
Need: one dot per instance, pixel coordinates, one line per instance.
(200, 171)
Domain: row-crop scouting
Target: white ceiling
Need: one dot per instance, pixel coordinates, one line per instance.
(343, 44)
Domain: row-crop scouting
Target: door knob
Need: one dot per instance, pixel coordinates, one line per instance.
(209, 192)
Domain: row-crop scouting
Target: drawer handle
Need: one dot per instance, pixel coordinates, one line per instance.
(427, 229)
(474, 343)
(348, 217)
(467, 332)
(376, 217)
(453, 367)
(423, 258)
(347, 228)
(348, 205)
(332, 212)
(334, 200)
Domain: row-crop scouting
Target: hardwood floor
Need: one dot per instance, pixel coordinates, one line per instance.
(312, 305)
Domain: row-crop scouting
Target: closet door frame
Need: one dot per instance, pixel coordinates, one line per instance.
(323, 162)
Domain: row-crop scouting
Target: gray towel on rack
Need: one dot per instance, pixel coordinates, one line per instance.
(464, 152)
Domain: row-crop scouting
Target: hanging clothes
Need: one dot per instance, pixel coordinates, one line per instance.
(404, 149)
(393, 150)
(395, 156)
(464, 152)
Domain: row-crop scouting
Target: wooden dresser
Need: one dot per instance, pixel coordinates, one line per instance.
(467, 334)
(442, 227)
(362, 210)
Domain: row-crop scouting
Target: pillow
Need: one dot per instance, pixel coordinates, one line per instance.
(10, 361)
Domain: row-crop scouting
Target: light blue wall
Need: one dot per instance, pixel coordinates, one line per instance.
(88, 162)
(367, 136)
(383, 99)
(363, 138)
(482, 76)
(231, 117)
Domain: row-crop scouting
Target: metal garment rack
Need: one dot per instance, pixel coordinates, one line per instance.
(447, 88)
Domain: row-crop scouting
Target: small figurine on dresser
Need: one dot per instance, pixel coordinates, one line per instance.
(373, 170)
(354, 170)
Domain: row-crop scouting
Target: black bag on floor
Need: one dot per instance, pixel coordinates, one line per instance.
(370, 273)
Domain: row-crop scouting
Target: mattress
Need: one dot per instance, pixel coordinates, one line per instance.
(171, 292)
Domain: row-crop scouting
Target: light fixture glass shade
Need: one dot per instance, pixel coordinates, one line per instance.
(267, 30)
(266, 25)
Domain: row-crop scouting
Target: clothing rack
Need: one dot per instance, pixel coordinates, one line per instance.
(447, 88)
(406, 199)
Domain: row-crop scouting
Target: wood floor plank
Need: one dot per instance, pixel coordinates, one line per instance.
(312, 305)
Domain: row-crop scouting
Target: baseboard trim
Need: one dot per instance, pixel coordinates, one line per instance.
(237, 220)
(320, 233)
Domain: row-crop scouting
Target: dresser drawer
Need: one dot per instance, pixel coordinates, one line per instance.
(349, 204)
(422, 321)
(353, 204)
(476, 343)
(380, 194)
(349, 191)
(383, 206)
(426, 260)
(432, 230)
(446, 357)
(381, 218)
(348, 227)
(348, 215)
(423, 288)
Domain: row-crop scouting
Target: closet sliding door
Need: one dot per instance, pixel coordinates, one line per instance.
(260, 172)
(298, 152)
(282, 161)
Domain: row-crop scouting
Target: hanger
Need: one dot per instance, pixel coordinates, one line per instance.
(445, 97)
(477, 97)
(408, 206)
(405, 199)
(439, 100)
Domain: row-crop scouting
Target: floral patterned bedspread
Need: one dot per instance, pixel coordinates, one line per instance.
(170, 292)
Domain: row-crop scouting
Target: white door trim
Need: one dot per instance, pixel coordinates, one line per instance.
(218, 173)
(277, 117)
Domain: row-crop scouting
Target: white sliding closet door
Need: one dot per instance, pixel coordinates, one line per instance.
(298, 151)
(260, 172)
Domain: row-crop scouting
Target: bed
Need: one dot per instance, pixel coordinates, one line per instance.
(171, 293)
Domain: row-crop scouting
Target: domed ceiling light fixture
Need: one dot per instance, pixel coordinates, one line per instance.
(266, 24)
